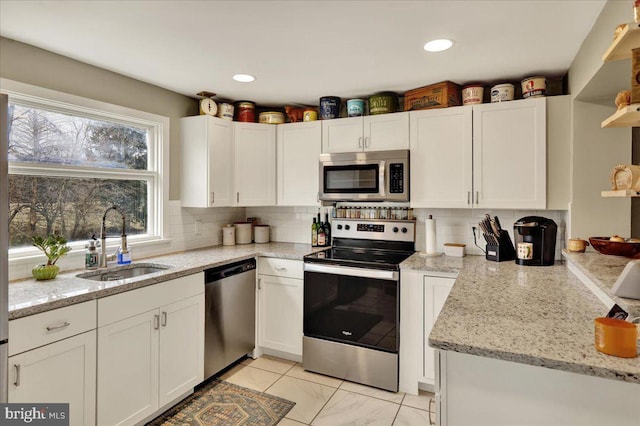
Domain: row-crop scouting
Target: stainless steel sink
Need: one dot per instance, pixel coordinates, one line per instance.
(123, 272)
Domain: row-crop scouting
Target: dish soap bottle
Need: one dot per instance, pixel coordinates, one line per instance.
(91, 256)
(123, 256)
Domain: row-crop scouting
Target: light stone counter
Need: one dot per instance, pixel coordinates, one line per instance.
(541, 316)
(28, 297)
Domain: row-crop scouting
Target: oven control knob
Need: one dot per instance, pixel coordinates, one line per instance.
(395, 229)
(339, 226)
(347, 227)
(404, 230)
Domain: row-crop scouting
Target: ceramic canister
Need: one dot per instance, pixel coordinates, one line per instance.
(329, 107)
(472, 94)
(383, 103)
(534, 87)
(355, 107)
(225, 111)
(246, 112)
(502, 92)
(228, 235)
(261, 234)
(309, 115)
(243, 232)
(271, 117)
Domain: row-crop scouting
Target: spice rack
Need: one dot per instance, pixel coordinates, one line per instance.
(378, 213)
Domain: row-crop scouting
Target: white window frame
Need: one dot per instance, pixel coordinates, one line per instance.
(156, 174)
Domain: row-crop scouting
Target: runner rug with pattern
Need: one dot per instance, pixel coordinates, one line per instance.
(225, 404)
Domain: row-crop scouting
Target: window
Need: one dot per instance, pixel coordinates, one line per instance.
(69, 162)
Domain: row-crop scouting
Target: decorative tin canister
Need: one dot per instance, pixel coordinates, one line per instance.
(329, 107)
(533, 87)
(472, 94)
(246, 112)
(502, 92)
(383, 103)
(355, 107)
(225, 111)
(271, 117)
(309, 115)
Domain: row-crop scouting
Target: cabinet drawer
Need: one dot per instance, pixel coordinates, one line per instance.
(130, 303)
(280, 267)
(47, 327)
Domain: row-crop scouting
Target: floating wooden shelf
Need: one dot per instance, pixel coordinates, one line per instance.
(626, 117)
(620, 193)
(621, 47)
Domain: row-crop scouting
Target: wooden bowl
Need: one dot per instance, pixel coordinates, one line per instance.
(604, 246)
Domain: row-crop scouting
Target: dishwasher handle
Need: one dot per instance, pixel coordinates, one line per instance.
(225, 271)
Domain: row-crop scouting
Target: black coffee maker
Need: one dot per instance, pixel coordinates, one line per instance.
(535, 241)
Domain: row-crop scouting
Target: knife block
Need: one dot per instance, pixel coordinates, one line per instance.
(503, 251)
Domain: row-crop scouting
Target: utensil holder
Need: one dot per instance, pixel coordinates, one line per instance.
(503, 251)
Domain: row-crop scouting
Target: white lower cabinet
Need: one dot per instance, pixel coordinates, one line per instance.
(280, 300)
(422, 297)
(150, 349)
(52, 359)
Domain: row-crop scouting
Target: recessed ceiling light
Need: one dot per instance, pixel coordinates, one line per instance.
(244, 78)
(438, 45)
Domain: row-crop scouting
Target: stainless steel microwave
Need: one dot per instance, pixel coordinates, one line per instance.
(365, 176)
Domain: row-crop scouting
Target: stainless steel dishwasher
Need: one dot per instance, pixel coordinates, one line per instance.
(230, 314)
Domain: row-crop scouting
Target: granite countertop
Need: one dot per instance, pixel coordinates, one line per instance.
(603, 270)
(541, 316)
(28, 297)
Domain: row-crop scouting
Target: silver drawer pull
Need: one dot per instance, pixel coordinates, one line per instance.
(58, 327)
(432, 421)
(281, 269)
(17, 381)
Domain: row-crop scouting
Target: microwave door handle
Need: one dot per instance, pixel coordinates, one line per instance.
(382, 178)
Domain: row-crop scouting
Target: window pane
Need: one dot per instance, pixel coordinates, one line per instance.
(41, 136)
(73, 207)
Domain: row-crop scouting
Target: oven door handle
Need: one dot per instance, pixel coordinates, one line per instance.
(379, 274)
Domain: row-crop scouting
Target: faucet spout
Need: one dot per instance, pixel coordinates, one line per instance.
(103, 238)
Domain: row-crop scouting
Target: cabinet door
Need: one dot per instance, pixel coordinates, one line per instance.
(280, 313)
(128, 369)
(386, 132)
(60, 372)
(255, 164)
(342, 135)
(436, 291)
(509, 154)
(298, 148)
(441, 158)
(181, 354)
(207, 162)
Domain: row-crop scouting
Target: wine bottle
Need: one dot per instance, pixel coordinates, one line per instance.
(322, 241)
(327, 230)
(314, 233)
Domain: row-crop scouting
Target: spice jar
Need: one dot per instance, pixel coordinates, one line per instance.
(246, 112)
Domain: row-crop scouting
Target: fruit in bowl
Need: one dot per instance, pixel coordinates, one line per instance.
(616, 245)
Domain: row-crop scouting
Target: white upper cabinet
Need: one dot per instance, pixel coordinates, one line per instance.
(298, 148)
(509, 154)
(484, 156)
(255, 164)
(207, 162)
(441, 158)
(370, 133)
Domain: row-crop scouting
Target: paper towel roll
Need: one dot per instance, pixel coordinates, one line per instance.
(430, 234)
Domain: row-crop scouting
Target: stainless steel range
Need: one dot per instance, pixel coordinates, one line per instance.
(352, 301)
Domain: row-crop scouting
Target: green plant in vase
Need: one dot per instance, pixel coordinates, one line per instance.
(54, 247)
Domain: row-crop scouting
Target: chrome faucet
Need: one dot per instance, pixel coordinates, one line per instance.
(104, 258)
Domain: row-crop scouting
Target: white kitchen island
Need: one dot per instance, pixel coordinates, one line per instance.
(515, 346)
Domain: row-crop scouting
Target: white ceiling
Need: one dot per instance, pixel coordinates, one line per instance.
(301, 50)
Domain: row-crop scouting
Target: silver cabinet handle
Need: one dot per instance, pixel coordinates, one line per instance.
(468, 197)
(360, 142)
(213, 197)
(57, 327)
(259, 287)
(432, 421)
(237, 197)
(17, 381)
(164, 319)
(366, 141)
(156, 322)
(477, 197)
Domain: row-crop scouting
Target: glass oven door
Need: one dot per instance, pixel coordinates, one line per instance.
(352, 305)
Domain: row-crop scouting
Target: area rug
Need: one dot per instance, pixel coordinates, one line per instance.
(225, 404)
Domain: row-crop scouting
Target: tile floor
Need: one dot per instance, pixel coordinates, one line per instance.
(322, 400)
